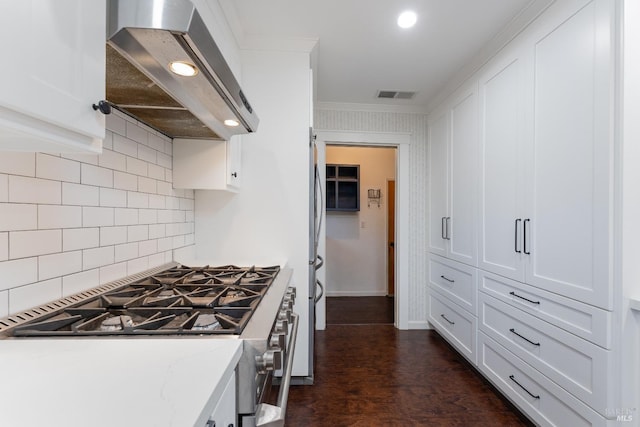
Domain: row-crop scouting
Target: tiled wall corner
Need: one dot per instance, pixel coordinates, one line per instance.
(71, 222)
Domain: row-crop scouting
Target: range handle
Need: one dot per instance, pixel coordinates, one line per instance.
(270, 415)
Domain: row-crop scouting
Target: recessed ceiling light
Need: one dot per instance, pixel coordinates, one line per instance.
(407, 19)
(232, 123)
(182, 68)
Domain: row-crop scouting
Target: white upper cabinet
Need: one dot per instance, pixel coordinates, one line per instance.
(53, 55)
(202, 164)
(546, 174)
(453, 148)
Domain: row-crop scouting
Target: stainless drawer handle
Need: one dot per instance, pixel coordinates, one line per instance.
(447, 279)
(526, 299)
(513, 331)
(445, 318)
(513, 378)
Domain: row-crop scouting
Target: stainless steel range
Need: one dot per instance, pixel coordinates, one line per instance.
(254, 304)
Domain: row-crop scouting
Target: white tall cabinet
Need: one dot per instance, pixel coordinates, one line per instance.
(544, 212)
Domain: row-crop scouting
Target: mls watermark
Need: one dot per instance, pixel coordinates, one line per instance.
(620, 414)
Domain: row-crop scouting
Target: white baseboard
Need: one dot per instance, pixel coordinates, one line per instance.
(419, 324)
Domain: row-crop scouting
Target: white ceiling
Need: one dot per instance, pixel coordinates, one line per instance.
(361, 50)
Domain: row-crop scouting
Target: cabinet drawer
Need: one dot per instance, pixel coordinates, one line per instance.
(542, 400)
(457, 281)
(578, 366)
(585, 321)
(454, 324)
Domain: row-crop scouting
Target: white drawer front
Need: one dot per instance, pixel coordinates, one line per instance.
(586, 321)
(457, 281)
(542, 400)
(578, 366)
(455, 324)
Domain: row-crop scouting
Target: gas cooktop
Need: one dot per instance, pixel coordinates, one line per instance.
(178, 301)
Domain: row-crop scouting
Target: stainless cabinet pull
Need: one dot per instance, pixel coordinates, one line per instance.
(445, 318)
(442, 227)
(513, 331)
(524, 231)
(513, 378)
(447, 279)
(516, 236)
(447, 227)
(526, 299)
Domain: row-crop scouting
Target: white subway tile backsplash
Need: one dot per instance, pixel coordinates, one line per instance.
(97, 217)
(4, 188)
(23, 244)
(80, 238)
(124, 145)
(36, 294)
(137, 265)
(126, 216)
(98, 257)
(116, 123)
(18, 217)
(53, 167)
(75, 283)
(18, 272)
(113, 235)
(147, 154)
(4, 246)
(147, 216)
(137, 167)
(137, 200)
(59, 216)
(80, 194)
(164, 160)
(112, 160)
(113, 198)
(126, 252)
(94, 175)
(18, 163)
(70, 222)
(155, 172)
(157, 230)
(59, 264)
(136, 233)
(34, 190)
(125, 181)
(137, 133)
(147, 247)
(147, 185)
(157, 202)
(112, 272)
(4, 303)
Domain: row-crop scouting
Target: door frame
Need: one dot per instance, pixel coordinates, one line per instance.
(401, 141)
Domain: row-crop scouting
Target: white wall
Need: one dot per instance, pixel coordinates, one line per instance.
(72, 222)
(266, 223)
(356, 242)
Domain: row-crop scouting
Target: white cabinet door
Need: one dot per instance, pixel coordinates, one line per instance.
(54, 71)
(438, 158)
(570, 186)
(501, 170)
(463, 174)
(224, 415)
(202, 164)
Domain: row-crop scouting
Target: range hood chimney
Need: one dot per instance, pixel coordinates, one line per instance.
(143, 38)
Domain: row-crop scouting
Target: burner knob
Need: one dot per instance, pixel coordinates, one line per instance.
(291, 291)
(287, 304)
(277, 341)
(285, 314)
(271, 360)
(282, 326)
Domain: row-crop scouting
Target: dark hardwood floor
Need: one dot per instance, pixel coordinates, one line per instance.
(359, 310)
(376, 375)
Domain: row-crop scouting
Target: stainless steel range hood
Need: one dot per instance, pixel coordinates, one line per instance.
(143, 38)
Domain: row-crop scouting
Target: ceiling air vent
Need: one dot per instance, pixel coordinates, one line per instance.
(393, 94)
